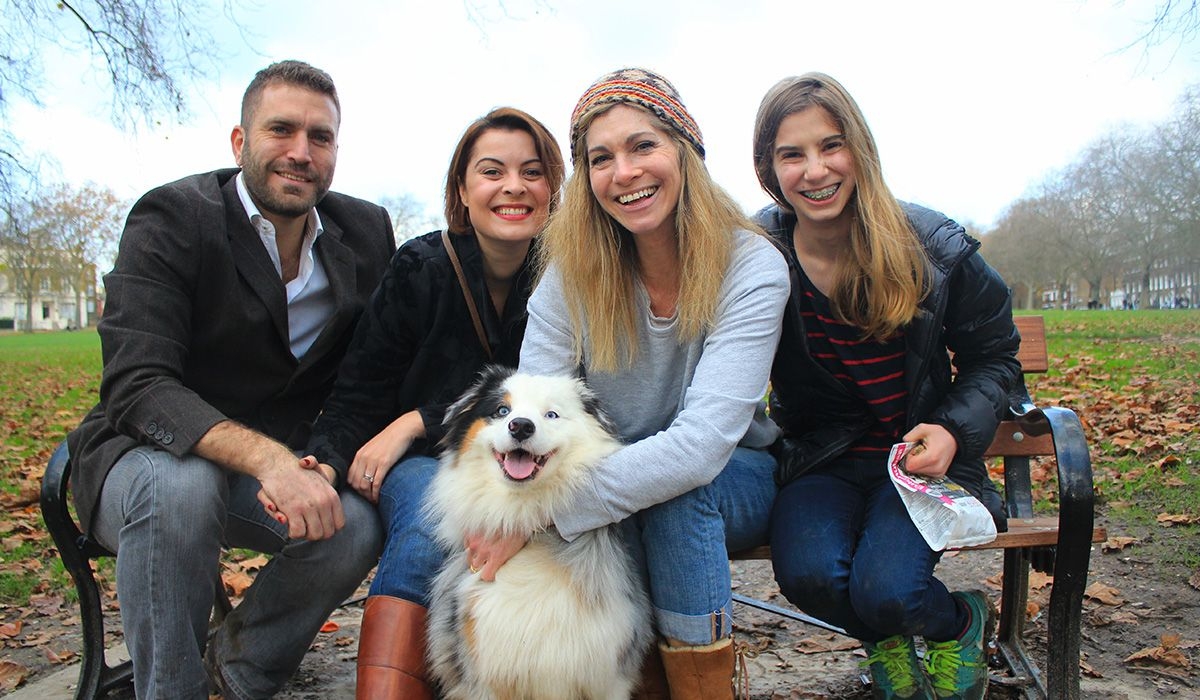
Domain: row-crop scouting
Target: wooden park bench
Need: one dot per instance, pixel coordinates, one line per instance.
(1060, 545)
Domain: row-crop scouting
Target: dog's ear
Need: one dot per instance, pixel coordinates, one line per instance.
(457, 417)
(591, 404)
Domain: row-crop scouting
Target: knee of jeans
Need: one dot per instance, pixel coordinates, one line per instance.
(402, 494)
(680, 513)
(811, 589)
(187, 489)
(362, 536)
(811, 571)
(890, 611)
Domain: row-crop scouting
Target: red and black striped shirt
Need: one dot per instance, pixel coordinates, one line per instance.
(871, 370)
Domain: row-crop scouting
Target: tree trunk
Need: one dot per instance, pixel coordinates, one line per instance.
(81, 317)
(29, 312)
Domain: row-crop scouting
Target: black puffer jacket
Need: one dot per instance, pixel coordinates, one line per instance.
(967, 311)
(416, 347)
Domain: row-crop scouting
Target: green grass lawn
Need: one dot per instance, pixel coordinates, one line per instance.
(49, 381)
(1133, 378)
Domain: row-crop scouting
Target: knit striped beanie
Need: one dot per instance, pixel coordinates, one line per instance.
(645, 89)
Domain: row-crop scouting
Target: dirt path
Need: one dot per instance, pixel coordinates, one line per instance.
(1144, 602)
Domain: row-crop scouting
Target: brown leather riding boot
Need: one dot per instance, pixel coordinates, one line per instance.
(653, 682)
(700, 673)
(391, 651)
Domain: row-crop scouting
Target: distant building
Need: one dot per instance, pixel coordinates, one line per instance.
(56, 305)
(1173, 284)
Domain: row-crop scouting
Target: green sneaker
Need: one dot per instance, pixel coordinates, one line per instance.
(895, 670)
(958, 668)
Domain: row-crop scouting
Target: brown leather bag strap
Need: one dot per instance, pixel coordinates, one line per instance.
(462, 283)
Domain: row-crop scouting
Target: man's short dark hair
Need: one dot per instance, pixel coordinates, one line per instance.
(289, 72)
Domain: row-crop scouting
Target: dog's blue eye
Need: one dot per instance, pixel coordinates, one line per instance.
(503, 411)
(551, 414)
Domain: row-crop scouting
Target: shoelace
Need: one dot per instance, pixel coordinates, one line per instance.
(895, 665)
(741, 673)
(943, 661)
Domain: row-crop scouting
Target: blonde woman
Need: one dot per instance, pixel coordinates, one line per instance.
(880, 291)
(658, 290)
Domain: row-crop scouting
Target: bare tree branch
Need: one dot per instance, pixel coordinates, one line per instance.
(150, 52)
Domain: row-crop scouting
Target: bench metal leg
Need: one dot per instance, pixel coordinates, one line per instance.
(1014, 598)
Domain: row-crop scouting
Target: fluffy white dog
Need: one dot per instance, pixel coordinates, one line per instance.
(562, 619)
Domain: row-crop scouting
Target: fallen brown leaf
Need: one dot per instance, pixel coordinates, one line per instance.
(1038, 580)
(61, 657)
(826, 643)
(237, 582)
(12, 675)
(1105, 615)
(1168, 461)
(1160, 655)
(343, 641)
(1089, 670)
(1104, 594)
(1116, 544)
(1172, 519)
(47, 604)
(11, 629)
(255, 563)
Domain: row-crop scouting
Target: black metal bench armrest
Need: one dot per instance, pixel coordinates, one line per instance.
(1076, 518)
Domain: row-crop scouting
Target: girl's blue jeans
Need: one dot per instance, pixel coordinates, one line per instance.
(846, 551)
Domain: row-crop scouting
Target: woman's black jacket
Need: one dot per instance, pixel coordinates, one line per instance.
(968, 311)
(415, 347)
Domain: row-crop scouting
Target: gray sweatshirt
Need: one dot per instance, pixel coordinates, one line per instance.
(681, 408)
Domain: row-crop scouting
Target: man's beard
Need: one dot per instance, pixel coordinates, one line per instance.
(289, 202)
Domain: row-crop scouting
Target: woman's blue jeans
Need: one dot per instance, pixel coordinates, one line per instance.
(684, 542)
(846, 551)
(685, 545)
(411, 555)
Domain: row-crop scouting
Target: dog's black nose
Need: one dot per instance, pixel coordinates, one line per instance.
(520, 428)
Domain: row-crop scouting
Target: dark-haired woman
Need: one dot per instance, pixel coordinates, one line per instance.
(418, 346)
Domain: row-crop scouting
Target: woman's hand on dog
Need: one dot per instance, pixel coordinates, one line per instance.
(485, 555)
(374, 459)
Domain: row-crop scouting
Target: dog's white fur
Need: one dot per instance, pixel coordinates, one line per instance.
(562, 619)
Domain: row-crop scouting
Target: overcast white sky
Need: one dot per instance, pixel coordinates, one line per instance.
(971, 102)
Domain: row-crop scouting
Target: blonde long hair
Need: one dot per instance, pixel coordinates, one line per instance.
(879, 285)
(596, 256)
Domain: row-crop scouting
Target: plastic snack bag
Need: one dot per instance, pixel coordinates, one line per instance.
(944, 512)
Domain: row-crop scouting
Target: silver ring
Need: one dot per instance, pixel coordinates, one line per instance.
(368, 478)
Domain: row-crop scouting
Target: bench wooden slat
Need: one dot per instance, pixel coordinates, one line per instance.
(1012, 441)
(1032, 532)
(1022, 532)
(1032, 353)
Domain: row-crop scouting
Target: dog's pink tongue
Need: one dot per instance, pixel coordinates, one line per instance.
(519, 465)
